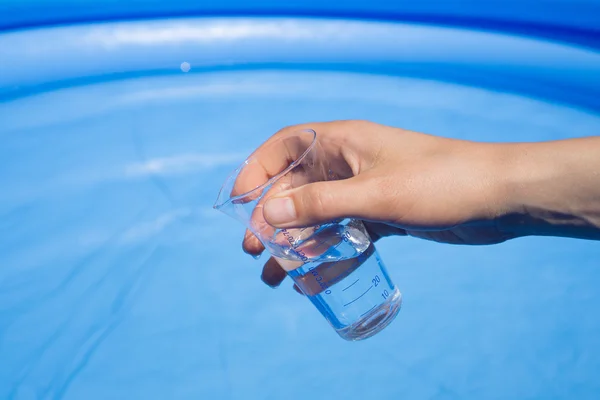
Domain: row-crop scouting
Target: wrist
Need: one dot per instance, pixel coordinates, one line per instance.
(511, 165)
(546, 189)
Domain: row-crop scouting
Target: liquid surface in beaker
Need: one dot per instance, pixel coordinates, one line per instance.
(340, 271)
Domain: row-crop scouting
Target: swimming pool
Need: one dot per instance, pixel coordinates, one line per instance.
(118, 280)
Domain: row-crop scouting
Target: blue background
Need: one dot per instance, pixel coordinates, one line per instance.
(576, 20)
(117, 278)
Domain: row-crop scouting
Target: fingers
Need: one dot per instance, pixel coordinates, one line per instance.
(378, 230)
(320, 127)
(268, 160)
(251, 245)
(272, 273)
(321, 202)
(297, 289)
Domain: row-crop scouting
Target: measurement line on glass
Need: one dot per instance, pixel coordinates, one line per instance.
(368, 311)
(335, 246)
(370, 287)
(348, 287)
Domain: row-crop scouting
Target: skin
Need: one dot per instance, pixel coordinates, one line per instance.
(446, 190)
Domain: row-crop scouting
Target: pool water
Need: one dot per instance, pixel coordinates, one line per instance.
(118, 279)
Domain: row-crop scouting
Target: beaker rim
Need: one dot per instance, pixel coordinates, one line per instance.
(220, 203)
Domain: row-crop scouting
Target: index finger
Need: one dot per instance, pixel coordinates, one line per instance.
(269, 160)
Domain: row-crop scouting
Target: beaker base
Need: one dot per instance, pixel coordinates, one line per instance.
(375, 321)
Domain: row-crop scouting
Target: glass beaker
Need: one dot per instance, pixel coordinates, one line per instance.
(335, 264)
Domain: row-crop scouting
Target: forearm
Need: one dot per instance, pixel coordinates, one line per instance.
(551, 188)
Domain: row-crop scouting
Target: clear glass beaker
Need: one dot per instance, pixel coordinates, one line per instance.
(335, 264)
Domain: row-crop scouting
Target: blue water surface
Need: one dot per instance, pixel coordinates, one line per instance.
(119, 281)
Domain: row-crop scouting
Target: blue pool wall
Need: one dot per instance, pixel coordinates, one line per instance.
(574, 21)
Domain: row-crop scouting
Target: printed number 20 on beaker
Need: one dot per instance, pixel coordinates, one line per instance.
(336, 265)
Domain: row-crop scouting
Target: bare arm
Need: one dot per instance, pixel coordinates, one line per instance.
(552, 188)
(451, 191)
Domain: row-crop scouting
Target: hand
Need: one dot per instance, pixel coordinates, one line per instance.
(407, 183)
(399, 182)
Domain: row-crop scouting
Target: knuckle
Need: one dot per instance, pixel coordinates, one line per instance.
(296, 127)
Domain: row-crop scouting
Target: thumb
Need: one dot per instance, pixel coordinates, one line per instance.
(317, 203)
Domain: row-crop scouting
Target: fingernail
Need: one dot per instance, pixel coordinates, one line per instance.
(280, 210)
